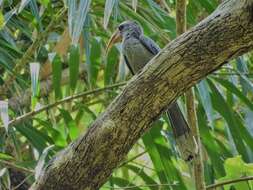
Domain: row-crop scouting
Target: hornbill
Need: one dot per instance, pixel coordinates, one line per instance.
(138, 50)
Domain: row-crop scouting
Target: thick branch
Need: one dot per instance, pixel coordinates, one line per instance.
(88, 162)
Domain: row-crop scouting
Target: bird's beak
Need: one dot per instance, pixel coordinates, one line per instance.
(116, 37)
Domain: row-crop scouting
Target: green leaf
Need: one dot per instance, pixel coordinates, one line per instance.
(232, 88)
(160, 155)
(57, 73)
(145, 177)
(1, 20)
(242, 68)
(207, 138)
(120, 182)
(111, 66)
(35, 137)
(208, 5)
(54, 133)
(4, 156)
(44, 2)
(74, 60)
(95, 57)
(236, 168)
(23, 4)
(226, 112)
(71, 124)
(205, 98)
(35, 12)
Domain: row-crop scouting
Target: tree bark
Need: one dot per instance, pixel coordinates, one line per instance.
(89, 161)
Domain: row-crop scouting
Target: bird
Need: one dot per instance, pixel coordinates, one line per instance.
(138, 50)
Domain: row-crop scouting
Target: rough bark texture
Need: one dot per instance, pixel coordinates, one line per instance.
(88, 162)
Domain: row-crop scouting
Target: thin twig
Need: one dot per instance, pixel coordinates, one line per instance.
(136, 186)
(213, 186)
(64, 100)
(19, 168)
(234, 73)
(28, 54)
(145, 166)
(131, 159)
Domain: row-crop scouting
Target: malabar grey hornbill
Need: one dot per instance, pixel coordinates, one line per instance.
(138, 50)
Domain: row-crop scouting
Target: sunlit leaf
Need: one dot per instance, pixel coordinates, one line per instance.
(73, 130)
(1, 20)
(236, 168)
(4, 156)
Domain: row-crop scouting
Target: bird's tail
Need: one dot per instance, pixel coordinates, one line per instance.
(184, 139)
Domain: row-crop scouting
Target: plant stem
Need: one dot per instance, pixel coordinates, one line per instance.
(14, 166)
(191, 110)
(213, 186)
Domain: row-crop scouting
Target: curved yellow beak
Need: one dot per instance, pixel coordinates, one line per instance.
(116, 37)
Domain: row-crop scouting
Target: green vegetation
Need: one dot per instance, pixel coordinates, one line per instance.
(78, 80)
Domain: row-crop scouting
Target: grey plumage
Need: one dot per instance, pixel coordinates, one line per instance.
(138, 50)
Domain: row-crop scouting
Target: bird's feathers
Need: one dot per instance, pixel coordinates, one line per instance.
(128, 65)
(149, 44)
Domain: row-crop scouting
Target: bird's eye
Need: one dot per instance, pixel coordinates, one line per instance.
(121, 27)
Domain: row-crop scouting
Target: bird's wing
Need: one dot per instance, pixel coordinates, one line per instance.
(128, 65)
(149, 44)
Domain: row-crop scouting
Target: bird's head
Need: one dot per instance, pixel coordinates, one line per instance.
(125, 30)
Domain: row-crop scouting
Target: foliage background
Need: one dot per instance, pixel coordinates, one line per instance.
(69, 45)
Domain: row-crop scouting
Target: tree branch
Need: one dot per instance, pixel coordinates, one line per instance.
(88, 162)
